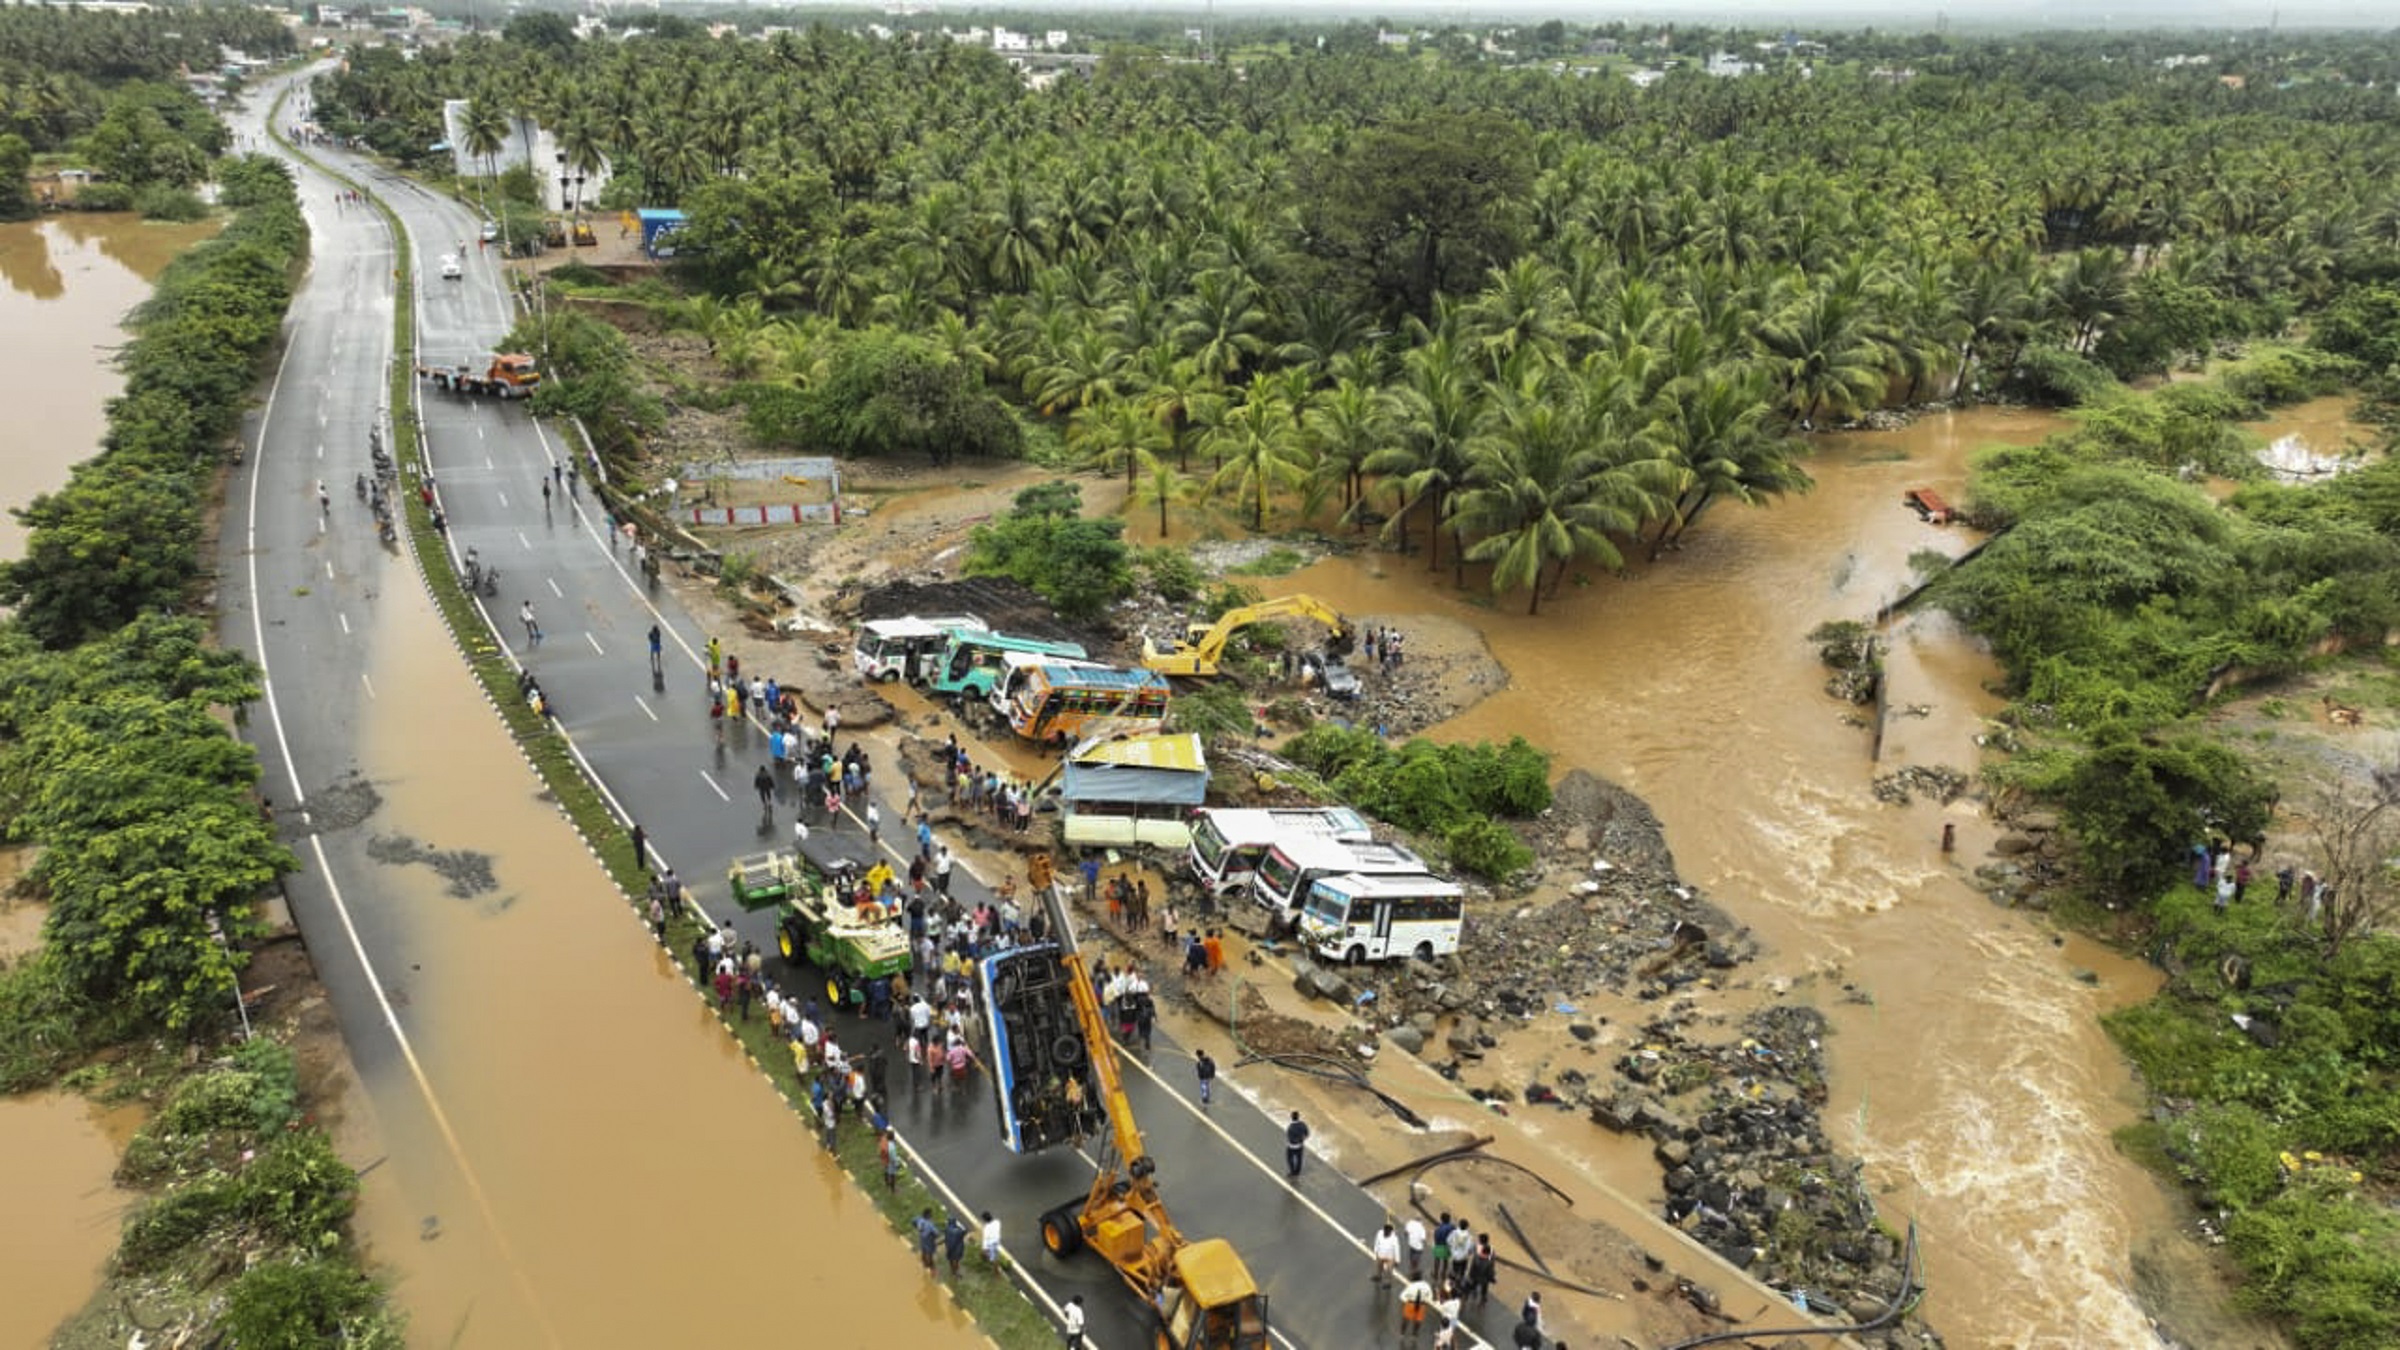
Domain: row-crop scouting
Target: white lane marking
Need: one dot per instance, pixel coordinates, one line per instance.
(523, 542)
(504, 500)
(341, 906)
(587, 636)
(320, 449)
(345, 622)
(368, 681)
(554, 590)
(329, 569)
(712, 786)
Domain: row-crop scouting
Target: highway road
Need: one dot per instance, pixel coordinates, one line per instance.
(650, 744)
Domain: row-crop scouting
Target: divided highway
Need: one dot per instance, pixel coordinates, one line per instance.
(300, 591)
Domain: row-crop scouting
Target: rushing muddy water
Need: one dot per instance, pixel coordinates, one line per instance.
(70, 281)
(644, 1186)
(58, 1154)
(1969, 1069)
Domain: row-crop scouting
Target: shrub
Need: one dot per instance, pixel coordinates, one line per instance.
(1487, 848)
(103, 197)
(1170, 572)
(302, 1305)
(2056, 376)
(158, 201)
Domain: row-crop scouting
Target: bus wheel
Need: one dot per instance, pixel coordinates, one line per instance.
(1356, 956)
(890, 677)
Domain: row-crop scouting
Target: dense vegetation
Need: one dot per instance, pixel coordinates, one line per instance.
(2121, 596)
(1548, 314)
(118, 766)
(1455, 795)
(104, 89)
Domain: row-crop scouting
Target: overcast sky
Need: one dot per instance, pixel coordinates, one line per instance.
(1913, 14)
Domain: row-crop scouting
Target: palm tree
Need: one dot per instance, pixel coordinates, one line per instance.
(1823, 356)
(485, 130)
(1718, 433)
(1090, 369)
(1549, 481)
(2091, 291)
(1162, 483)
(1349, 423)
(1440, 400)
(1258, 451)
(1222, 325)
(1118, 430)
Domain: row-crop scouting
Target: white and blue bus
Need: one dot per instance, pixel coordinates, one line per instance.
(1355, 919)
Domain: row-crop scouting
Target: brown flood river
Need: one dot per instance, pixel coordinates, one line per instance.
(70, 280)
(1972, 1076)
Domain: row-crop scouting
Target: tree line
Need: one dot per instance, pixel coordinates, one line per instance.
(1543, 315)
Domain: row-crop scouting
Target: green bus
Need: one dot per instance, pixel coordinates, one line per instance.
(972, 661)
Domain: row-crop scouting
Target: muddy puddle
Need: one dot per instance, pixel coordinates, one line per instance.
(633, 1181)
(58, 1154)
(1969, 1070)
(70, 280)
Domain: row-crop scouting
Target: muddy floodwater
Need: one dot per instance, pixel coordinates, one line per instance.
(70, 281)
(58, 1154)
(629, 1180)
(1969, 1068)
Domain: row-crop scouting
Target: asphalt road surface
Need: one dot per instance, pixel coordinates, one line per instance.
(649, 741)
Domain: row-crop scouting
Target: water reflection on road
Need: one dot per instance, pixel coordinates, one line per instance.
(648, 1188)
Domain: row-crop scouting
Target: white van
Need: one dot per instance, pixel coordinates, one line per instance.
(1228, 842)
(1291, 866)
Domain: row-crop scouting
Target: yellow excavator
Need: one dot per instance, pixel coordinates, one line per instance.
(1202, 1295)
(1203, 644)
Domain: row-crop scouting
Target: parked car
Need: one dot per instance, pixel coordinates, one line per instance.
(451, 271)
(1328, 673)
(491, 230)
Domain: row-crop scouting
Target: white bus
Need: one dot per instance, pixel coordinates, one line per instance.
(1227, 842)
(1353, 918)
(1291, 866)
(892, 649)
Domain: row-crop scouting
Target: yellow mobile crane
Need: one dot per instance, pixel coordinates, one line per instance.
(1202, 645)
(1200, 1291)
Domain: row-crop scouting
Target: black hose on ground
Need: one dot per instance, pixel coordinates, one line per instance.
(1900, 1305)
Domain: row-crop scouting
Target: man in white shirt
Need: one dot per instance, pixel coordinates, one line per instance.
(1070, 1319)
(1387, 1252)
(1416, 1300)
(1416, 1246)
(991, 1239)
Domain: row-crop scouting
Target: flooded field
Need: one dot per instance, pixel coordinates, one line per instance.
(70, 281)
(1969, 1068)
(58, 1153)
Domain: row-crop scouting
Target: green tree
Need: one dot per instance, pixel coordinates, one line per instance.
(1412, 209)
(1081, 566)
(16, 195)
(2136, 803)
(884, 393)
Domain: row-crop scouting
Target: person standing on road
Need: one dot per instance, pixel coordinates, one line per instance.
(1413, 1242)
(1295, 1145)
(764, 781)
(658, 664)
(324, 500)
(545, 496)
(941, 869)
(1070, 1322)
(1207, 1069)
(1387, 1253)
(874, 824)
(533, 626)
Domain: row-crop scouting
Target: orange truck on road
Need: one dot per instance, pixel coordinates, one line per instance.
(508, 375)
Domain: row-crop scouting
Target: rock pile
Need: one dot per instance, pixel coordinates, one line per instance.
(1749, 1172)
(1938, 781)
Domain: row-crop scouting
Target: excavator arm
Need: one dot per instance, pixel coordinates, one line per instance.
(1200, 655)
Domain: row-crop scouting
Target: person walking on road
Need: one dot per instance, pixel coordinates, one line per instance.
(716, 657)
(533, 626)
(874, 824)
(1416, 1297)
(764, 781)
(658, 664)
(1295, 1145)
(1207, 1069)
(324, 501)
(1070, 1322)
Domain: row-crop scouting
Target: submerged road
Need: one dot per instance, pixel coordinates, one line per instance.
(649, 741)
